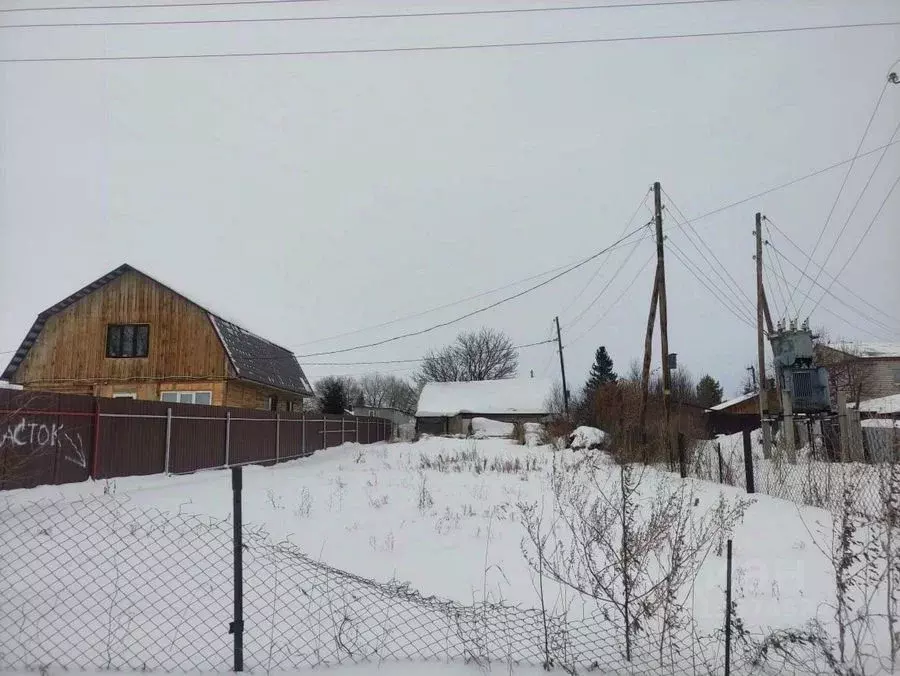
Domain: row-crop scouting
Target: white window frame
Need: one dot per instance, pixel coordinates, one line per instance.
(124, 395)
(181, 393)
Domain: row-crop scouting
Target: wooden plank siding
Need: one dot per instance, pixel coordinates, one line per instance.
(70, 352)
(241, 394)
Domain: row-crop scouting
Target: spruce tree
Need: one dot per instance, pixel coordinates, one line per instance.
(601, 371)
(709, 392)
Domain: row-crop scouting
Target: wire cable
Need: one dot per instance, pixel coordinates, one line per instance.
(848, 172)
(448, 48)
(787, 296)
(393, 361)
(477, 311)
(606, 286)
(876, 322)
(337, 17)
(856, 204)
(616, 301)
(846, 288)
(605, 258)
(227, 3)
(858, 243)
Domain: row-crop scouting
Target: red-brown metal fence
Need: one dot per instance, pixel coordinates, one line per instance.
(48, 438)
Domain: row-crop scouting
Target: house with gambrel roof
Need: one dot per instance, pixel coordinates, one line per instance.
(128, 335)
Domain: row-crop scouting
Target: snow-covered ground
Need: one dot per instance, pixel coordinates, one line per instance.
(444, 515)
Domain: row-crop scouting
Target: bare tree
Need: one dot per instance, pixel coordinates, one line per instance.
(485, 354)
(385, 390)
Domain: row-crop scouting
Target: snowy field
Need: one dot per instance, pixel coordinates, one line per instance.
(445, 516)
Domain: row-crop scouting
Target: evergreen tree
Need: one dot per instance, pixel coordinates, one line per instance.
(601, 371)
(709, 392)
(334, 396)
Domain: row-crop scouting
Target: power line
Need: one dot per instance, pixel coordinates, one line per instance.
(856, 204)
(446, 48)
(340, 17)
(479, 310)
(607, 285)
(787, 296)
(787, 184)
(830, 277)
(616, 301)
(736, 299)
(859, 242)
(698, 275)
(605, 258)
(847, 174)
(780, 255)
(856, 325)
(226, 3)
(390, 361)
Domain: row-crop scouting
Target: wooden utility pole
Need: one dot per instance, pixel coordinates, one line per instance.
(648, 353)
(760, 343)
(562, 367)
(663, 313)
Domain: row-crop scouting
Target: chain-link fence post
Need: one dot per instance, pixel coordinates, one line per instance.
(227, 438)
(682, 456)
(237, 625)
(728, 610)
(748, 462)
(721, 468)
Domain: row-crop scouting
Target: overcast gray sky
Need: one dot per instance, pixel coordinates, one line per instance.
(306, 196)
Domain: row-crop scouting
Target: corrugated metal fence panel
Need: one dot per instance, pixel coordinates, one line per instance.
(252, 436)
(314, 435)
(132, 438)
(197, 437)
(37, 447)
(76, 438)
(292, 436)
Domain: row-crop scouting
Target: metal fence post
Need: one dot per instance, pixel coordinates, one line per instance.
(303, 437)
(277, 434)
(719, 454)
(682, 457)
(343, 428)
(168, 439)
(728, 612)
(237, 625)
(748, 462)
(357, 429)
(227, 437)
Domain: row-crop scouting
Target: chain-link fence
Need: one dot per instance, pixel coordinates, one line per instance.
(99, 584)
(825, 470)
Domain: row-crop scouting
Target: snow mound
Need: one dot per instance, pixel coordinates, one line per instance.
(533, 433)
(588, 438)
(484, 428)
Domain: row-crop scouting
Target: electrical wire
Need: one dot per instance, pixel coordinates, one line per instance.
(859, 198)
(777, 297)
(876, 322)
(855, 325)
(699, 276)
(787, 295)
(343, 17)
(477, 311)
(607, 285)
(846, 288)
(787, 184)
(848, 172)
(226, 3)
(601, 264)
(616, 301)
(858, 243)
(447, 48)
(687, 228)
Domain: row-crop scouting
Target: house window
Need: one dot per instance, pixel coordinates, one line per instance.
(124, 395)
(199, 397)
(127, 340)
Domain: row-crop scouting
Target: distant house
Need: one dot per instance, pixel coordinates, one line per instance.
(448, 408)
(740, 413)
(395, 415)
(128, 335)
(861, 370)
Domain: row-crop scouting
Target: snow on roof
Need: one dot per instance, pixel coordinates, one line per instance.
(515, 395)
(869, 350)
(881, 405)
(732, 402)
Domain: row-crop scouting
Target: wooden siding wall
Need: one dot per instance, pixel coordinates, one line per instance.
(879, 379)
(246, 395)
(72, 345)
(153, 391)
